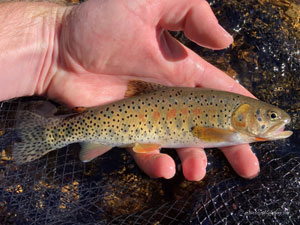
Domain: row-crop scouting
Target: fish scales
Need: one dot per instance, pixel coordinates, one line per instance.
(162, 117)
(169, 116)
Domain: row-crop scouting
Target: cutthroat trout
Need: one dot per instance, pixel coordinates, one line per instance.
(152, 117)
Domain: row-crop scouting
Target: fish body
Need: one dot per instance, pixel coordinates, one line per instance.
(154, 117)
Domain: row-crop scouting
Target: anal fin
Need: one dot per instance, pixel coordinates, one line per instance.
(145, 148)
(90, 151)
(211, 134)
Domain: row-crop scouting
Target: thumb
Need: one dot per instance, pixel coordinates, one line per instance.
(86, 89)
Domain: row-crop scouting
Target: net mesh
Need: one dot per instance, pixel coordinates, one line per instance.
(59, 189)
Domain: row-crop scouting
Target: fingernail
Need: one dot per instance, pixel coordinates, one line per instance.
(226, 34)
(169, 173)
(166, 172)
(252, 176)
(200, 175)
(154, 156)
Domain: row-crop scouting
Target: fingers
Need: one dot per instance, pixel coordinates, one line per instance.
(198, 22)
(242, 160)
(186, 68)
(86, 89)
(194, 163)
(211, 77)
(155, 164)
(200, 25)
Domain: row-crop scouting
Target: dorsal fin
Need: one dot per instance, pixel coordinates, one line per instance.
(136, 87)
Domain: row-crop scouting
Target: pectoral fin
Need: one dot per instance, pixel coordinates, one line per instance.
(212, 134)
(90, 151)
(145, 148)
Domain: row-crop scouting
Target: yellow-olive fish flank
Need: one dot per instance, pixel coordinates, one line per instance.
(153, 116)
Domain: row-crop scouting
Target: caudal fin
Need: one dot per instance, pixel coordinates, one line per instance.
(31, 130)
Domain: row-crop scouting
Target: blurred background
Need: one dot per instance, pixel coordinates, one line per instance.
(265, 58)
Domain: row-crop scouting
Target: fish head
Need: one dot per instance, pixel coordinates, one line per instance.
(261, 121)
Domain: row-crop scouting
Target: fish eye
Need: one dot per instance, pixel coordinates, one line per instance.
(273, 115)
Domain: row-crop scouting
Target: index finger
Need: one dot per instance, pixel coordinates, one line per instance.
(192, 70)
(212, 77)
(198, 22)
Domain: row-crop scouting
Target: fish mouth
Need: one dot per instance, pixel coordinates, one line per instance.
(277, 131)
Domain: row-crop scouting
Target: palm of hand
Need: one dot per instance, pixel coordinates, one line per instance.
(104, 44)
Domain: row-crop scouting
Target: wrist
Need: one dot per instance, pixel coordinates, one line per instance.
(29, 39)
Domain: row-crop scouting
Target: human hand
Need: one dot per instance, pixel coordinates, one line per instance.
(104, 44)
